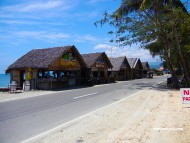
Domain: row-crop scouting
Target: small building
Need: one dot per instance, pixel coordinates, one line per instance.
(97, 68)
(136, 67)
(48, 69)
(146, 68)
(121, 69)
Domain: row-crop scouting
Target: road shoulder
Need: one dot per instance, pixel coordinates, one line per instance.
(147, 116)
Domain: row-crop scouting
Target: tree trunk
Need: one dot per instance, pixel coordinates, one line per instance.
(168, 60)
(182, 60)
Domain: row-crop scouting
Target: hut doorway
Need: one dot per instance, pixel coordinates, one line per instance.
(71, 78)
(22, 78)
(85, 76)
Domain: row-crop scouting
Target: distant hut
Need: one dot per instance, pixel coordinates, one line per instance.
(146, 68)
(97, 67)
(136, 66)
(121, 69)
(48, 68)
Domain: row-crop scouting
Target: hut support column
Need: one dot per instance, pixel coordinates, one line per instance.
(106, 74)
(125, 74)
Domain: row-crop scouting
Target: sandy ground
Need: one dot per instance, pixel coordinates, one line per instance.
(151, 116)
(6, 96)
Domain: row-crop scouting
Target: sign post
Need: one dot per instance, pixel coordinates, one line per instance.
(185, 95)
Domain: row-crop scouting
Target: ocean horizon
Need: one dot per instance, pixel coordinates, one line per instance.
(155, 65)
(4, 80)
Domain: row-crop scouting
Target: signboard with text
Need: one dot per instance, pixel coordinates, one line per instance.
(100, 63)
(68, 60)
(185, 95)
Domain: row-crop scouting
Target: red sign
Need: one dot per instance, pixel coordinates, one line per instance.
(185, 95)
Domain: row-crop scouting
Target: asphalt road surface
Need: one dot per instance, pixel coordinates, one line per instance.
(25, 118)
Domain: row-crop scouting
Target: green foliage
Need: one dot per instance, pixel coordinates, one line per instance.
(161, 26)
(145, 4)
(145, 21)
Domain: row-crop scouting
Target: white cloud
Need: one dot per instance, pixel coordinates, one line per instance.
(105, 46)
(18, 22)
(54, 36)
(39, 6)
(42, 35)
(85, 38)
(86, 15)
(29, 22)
(130, 52)
(43, 9)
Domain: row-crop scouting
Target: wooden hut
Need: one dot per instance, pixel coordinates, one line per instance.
(97, 68)
(146, 68)
(121, 69)
(48, 68)
(136, 67)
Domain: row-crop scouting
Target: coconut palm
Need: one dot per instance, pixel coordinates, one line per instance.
(175, 3)
(152, 22)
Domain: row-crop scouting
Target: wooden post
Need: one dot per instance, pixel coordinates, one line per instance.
(125, 73)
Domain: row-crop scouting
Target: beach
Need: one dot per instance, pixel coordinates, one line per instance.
(153, 115)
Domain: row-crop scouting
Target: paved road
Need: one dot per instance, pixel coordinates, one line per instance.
(25, 118)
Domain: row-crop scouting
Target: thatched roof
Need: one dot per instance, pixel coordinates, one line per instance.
(133, 62)
(91, 58)
(145, 65)
(42, 58)
(119, 62)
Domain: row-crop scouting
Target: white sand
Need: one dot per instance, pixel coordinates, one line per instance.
(151, 116)
(6, 96)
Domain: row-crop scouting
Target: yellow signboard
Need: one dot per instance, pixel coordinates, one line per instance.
(68, 63)
(28, 74)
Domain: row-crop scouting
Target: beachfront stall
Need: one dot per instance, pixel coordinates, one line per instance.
(97, 68)
(136, 66)
(121, 69)
(48, 69)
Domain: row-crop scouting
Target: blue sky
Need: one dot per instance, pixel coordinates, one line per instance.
(34, 24)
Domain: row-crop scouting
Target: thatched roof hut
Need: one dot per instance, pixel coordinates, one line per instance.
(121, 69)
(97, 67)
(91, 58)
(133, 62)
(119, 63)
(136, 66)
(43, 58)
(145, 66)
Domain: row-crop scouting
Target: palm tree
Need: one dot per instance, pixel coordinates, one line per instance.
(175, 3)
(158, 13)
(174, 28)
(157, 9)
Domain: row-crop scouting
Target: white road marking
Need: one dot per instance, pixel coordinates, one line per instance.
(85, 95)
(64, 125)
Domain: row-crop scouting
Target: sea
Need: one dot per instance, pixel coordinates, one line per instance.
(4, 80)
(155, 65)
